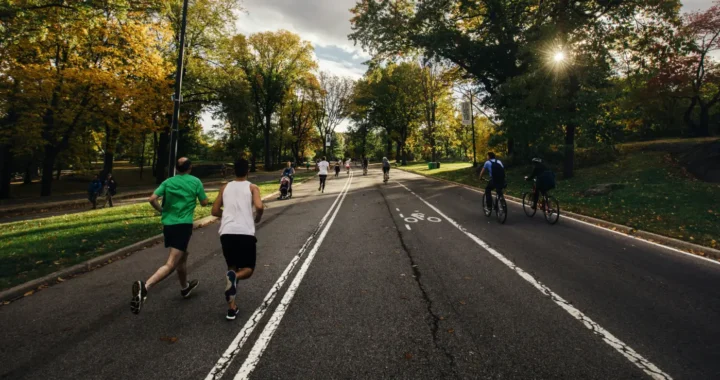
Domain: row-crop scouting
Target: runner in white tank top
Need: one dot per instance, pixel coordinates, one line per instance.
(234, 206)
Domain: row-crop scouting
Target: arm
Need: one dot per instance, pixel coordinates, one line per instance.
(154, 203)
(154, 197)
(217, 205)
(482, 172)
(257, 202)
(202, 196)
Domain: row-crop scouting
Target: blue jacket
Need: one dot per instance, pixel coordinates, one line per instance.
(95, 186)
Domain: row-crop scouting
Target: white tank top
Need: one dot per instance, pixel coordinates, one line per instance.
(237, 217)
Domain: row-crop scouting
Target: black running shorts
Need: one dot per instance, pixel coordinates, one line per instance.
(178, 236)
(239, 250)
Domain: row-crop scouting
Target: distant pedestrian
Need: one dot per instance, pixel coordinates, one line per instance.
(180, 194)
(337, 168)
(94, 190)
(110, 188)
(322, 167)
(234, 206)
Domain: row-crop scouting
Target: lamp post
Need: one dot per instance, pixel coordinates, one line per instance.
(177, 98)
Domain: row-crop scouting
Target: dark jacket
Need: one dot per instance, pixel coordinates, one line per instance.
(111, 186)
(545, 176)
(95, 187)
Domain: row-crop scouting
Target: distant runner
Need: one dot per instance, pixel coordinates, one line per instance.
(337, 168)
(180, 194)
(386, 169)
(234, 207)
(323, 167)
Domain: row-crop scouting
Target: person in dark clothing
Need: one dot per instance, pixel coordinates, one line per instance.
(110, 189)
(94, 190)
(545, 179)
(337, 168)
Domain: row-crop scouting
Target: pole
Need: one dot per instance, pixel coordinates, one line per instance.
(177, 98)
(472, 125)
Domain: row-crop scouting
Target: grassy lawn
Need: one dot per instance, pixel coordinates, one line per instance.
(34, 248)
(658, 195)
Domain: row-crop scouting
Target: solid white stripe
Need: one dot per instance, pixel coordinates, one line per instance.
(237, 343)
(264, 339)
(635, 358)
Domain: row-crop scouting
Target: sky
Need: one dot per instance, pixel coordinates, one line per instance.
(325, 23)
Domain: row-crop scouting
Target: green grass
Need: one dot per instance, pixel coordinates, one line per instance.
(659, 196)
(34, 248)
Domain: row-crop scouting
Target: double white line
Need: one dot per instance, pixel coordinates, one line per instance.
(264, 339)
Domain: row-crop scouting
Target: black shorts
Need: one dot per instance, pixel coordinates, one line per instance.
(239, 250)
(178, 236)
(386, 169)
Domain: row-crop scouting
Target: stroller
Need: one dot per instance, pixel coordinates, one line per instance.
(285, 188)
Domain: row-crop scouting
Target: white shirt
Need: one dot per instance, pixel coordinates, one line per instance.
(237, 216)
(323, 166)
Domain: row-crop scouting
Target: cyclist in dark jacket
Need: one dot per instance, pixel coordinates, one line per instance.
(545, 179)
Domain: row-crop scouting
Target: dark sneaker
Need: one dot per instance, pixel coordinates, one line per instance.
(191, 285)
(139, 295)
(231, 314)
(230, 285)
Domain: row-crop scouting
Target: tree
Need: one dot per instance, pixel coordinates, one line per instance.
(333, 97)
(273, 62)
(299, 112)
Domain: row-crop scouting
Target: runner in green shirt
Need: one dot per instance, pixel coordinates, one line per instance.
(180, 195)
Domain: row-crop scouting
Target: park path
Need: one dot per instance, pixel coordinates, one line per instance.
(401, 280)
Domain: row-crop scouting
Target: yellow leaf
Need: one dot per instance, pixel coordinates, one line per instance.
(29, 293)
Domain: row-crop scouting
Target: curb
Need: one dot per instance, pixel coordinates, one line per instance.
(30, 287)
(30, 208)
(686, 247)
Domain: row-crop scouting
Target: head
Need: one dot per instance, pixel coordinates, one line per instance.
(289, 164)
(109, 176)
(324, 158)
(184, 165)
(96, 177)
(242, 167)
(385, 159)
(491, 155)
(537, 161)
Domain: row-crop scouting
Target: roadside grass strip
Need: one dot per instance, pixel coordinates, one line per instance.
(34, 248)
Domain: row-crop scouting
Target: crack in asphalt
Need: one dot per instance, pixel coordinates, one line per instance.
(417, 275)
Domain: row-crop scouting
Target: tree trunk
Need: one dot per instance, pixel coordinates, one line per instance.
(266, 135)
(568, 170)
(687, 116)
(6, 156)
(253, 161)
(108, 159)
(47, 171)
(142, 155)
(703, 127)
(162, 157)
(27, 178)
(154, 158)
(397, 151)
(510, 146)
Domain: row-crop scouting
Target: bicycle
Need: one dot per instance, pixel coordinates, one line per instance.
(548, 204)
(498, 204)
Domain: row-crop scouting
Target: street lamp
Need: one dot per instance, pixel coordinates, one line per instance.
(177, 99)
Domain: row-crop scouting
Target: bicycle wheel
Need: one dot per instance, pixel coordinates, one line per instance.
(552, 210)
(486, 210)
(527, 205)
(501, 210)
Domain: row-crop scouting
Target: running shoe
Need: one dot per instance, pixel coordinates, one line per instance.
(139, 295)
(232, 313)
(230, 285)
(191, 286)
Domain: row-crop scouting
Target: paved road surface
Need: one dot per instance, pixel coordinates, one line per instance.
(406, 281)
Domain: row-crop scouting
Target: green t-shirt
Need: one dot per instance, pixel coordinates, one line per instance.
(179, 198)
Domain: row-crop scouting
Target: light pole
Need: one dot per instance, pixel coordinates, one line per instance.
(177, 98)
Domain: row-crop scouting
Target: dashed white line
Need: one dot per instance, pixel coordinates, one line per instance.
(649, 368)
(408, 227)
(397, 209)
(402, 216)
(237, 343)
(264, 339)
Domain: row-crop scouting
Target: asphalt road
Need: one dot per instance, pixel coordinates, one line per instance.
(405, 280)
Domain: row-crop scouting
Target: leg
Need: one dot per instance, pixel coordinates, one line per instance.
(110, 200)
(173, 260)
(240, 274)
(182, 270)
(536, 194)
(488, 195)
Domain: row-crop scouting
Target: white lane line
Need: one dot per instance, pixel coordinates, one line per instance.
(264, 339)
(694, 256)
(402, 216)
(635, 358)
(408, 227)
(397, 209)
(237, 343)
